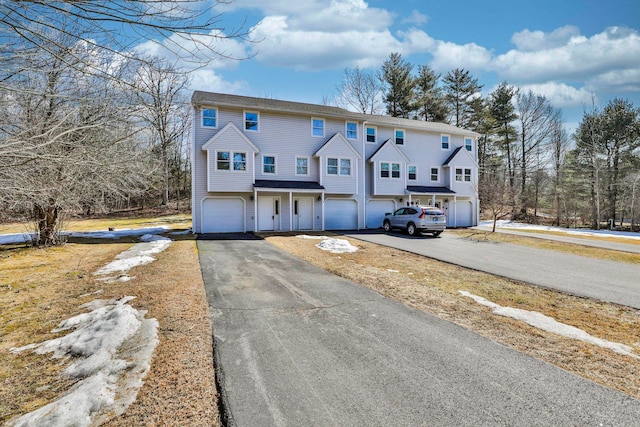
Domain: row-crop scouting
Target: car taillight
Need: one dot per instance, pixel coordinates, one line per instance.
(421, 215)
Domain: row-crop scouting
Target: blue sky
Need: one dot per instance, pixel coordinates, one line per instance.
(568, 50)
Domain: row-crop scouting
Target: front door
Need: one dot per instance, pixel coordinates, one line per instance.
(268, 213)
(303, 213)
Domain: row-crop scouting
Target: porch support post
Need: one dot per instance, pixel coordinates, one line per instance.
(322, 209)
(290, 211)
(433, 199)
(255, 210)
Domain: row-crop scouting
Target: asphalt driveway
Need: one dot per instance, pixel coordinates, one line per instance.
(296, 345)
(610, 281)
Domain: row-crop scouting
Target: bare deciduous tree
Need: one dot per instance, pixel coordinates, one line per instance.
(360, 90)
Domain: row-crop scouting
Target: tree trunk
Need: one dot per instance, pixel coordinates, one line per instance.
(46, 219)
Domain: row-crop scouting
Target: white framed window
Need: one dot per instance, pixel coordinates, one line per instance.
(434, 175)
(251, 121)
(467, 175)
(210, 117)
(345, 167)
(371, 134)
(317, 127)
(268, 164)
(389, 170)
(468, 144)
(351, 130)
(412, 172)
(444, 142)
(302, 166)
(399, 136)
(229, 160)
(338, 166)
(332, 166)
(459, 174)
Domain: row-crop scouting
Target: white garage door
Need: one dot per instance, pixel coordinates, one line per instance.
(223, 215)
(376, 210)
(464, 214)
(340, 215)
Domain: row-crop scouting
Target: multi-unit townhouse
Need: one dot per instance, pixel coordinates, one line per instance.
(265, 164)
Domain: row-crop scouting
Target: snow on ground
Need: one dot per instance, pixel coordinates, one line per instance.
(577, 232)
(112, 347)
(138, 254)
(6, 239)
(336, 246)
(549, 324)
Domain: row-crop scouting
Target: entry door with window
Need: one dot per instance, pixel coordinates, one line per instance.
(303, 213)
(268, 213)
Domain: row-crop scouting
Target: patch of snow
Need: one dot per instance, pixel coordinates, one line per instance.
(103, 234)
(305, 236)
(549, 324)
(111, 348)
(181, 232)
(153, 238)
(393, 271)
(336, 246)
(116, 234)
(578, 232)
(138, 254)
(7, 239)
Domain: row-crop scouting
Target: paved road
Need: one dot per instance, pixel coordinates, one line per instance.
(604, 280)
(596, 243)
(298, 346)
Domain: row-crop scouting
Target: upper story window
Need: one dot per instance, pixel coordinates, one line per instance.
(351, 130)
(399, 133)
(302, 166)
(344, 167)
(225, 160)
(412, 172)
(210, 117)
(317, 127)
(467, 175)
(435, 175)
(468, 144)
(251, 121)
(389, 170)
(371, 134)
(444, 142)
(269, 164)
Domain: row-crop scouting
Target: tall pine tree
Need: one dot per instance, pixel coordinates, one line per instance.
(460, 90)
(399, 95)
(429, 101)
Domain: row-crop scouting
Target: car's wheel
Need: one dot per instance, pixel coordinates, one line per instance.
(411, 229)
(387, 226)
(436, 233)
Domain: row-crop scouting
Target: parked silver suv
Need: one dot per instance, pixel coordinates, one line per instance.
(416, 219)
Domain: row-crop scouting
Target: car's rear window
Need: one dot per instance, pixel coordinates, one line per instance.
(432, 212)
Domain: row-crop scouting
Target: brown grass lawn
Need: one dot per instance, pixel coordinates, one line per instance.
(41, 287)
(433, 286)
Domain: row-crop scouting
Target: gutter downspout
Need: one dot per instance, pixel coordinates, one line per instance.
(364, 176)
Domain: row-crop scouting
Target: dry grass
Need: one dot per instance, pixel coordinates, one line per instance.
(584, 236)
(586, 251)
(41, 287)
(433, 286)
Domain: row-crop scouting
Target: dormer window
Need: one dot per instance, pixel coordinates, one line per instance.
(399, 134)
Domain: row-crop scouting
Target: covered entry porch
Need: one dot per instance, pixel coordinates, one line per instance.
(444, 198)
(287, 205)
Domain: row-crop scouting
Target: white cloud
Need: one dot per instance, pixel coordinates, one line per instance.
(209, 80)
(448, 56)
(579, 58)
(529, 41)
(616, 80)
(560, 94)
(416, 18)
(315, 50)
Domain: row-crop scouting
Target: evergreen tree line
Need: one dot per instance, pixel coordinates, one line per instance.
(530, 168)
